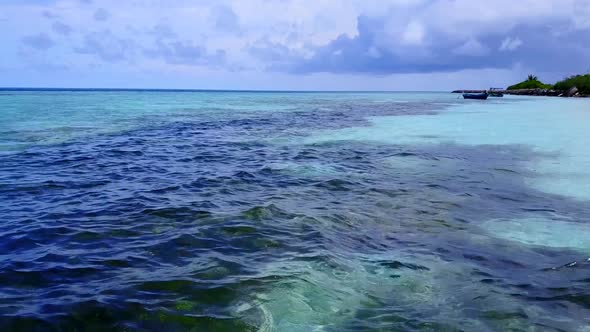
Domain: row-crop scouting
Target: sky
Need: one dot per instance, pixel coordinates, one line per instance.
(418, 45)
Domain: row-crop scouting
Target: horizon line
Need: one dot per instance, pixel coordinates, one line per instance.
(204, 90)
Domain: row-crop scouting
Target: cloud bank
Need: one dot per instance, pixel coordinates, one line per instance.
(291, 38)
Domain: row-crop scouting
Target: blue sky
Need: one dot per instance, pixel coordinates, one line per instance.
(291, 44)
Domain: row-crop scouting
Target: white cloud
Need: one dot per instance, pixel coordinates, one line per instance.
(427, 30)
(510, 44)
(414, 34)
(472, 47)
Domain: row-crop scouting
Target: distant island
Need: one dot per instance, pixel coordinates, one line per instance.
(532, 82)
(573, 86)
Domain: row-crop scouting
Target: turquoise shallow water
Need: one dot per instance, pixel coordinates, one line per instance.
(249, 211)
(556, 128)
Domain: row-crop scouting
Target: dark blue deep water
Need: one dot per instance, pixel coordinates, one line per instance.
(229, 211)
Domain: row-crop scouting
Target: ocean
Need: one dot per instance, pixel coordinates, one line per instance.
(139, 210)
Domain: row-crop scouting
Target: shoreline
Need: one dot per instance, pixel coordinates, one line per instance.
(530, 92)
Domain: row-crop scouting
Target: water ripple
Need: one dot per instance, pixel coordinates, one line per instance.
(219, 223)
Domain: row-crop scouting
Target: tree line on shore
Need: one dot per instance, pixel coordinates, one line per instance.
(580, 82)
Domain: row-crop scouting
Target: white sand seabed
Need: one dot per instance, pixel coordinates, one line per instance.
(553, 126)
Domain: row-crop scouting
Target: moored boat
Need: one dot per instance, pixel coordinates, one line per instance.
(482, 96)
(495, 92)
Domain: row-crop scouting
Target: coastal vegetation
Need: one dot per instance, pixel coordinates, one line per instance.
(581, 82)
(572, 86)
(532, 82)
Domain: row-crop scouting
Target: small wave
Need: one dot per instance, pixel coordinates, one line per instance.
(223, 218)
(336, 185)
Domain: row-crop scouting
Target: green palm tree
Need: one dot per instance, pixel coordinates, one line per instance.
(532, 78)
